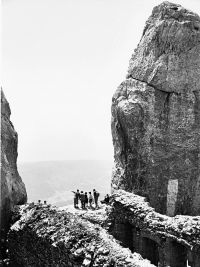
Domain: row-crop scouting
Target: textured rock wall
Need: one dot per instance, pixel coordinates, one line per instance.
(45, 236)
(164, 240)
(12, 189)
(156, 114)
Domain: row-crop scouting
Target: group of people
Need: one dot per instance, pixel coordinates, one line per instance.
(86, 199)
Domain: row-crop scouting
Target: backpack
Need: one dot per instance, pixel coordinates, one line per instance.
(97, 194)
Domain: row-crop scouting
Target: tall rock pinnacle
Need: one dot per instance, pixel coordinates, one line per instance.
(156, 114)
(12, 188)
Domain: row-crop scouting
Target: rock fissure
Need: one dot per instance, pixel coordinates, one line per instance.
(151, 85)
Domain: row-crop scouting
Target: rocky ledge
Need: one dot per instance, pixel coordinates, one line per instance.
(47, 236)
(135, 209)
(174, 240)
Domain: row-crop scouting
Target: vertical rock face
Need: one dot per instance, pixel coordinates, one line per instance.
(156, 114)
(12, 188)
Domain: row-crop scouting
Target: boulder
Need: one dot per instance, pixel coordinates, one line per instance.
(156, 114)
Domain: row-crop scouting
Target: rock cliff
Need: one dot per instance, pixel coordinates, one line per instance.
(12, 188)
(156, 114)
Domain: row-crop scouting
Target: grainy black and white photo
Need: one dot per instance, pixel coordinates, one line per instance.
(100, 133)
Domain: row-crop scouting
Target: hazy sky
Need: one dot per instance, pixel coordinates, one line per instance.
(62, 62)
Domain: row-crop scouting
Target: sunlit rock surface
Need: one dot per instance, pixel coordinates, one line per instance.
(164, 240)
(48, 236)
(156, 114)
(12, 188)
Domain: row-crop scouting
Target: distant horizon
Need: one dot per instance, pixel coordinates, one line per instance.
(54, 180)
(63, 160)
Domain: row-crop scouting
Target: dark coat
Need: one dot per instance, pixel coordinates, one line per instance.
(82, 197)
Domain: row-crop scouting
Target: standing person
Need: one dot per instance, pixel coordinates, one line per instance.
(82, 197)
(75, 199)
(90, 199)
(96, 196)
(86, 199)
(78, 196)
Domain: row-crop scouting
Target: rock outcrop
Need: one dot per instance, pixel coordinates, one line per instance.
(12, 188)
(156, 114)
(164, 240)
(47, 236)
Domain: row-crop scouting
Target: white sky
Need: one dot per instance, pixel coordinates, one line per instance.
(62, 62)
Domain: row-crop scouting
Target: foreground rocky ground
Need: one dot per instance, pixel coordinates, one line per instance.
(137, 211)
(48, 236)
(164, 240)
(119, 234)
